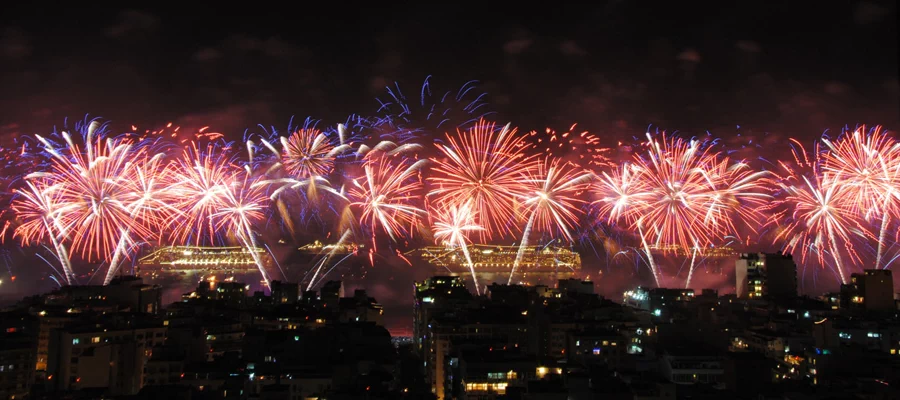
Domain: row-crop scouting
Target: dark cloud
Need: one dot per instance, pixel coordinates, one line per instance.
(517, 46)
(131, 22)
(748, 46)
(14, 44)
(570, 48)
(868, 12)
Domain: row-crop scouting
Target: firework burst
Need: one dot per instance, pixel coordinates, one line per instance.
(817, 221)
(93, 186)
(199, 189)
(242, 207)
(387, 193)
(551, 201)
(669, 197)
(866, 166)
(452, 227)
(486, 167)
(35, 208)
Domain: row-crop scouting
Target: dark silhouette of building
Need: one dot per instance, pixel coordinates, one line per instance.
(770, 275)
(872, 290)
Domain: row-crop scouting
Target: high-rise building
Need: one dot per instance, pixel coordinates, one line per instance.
(769, 275)
(872, 290)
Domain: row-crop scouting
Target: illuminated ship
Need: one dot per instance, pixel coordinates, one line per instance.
(319, 247)
(194, 258)
(494, 263)
(713, 252)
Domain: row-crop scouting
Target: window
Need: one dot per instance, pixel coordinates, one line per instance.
(76, 341)
(95, 339)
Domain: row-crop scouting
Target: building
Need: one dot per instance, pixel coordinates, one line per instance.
(109, 353)
(691, 365)
(17, 356)
(657, 300)
(769, 275)
(285, 292)
(482, 372)
(872, 290)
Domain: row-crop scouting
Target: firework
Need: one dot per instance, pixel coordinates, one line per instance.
(242, 206)
(387, 192)
(817, 220)
(582, 148)
(866, 166)
(554, 191)
(817, 210)
(93, 189)
(486, 167)
(35, 208)
(199, 189)
(307, 158)
(452, 227)
(403, 120)
(665, 196)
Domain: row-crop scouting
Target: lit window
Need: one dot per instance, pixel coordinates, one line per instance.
(76, 341)
(95, 339)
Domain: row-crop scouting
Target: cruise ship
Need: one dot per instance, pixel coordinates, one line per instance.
(196, 258)
(493, 263)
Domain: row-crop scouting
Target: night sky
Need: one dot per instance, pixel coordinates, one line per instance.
(743, 71)
(788, 68)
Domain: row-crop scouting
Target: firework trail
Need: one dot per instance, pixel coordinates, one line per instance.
(486, 167)
(452, 227)
(555, 190)
(866, 166)
(387, 192)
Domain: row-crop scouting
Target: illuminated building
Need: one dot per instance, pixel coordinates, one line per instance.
(692, 365)
(759, 275)
(192, 258)
(486, 372)
(492, 262)
(872, 290)
(656, 300)
(435, 295)
(109, 355)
